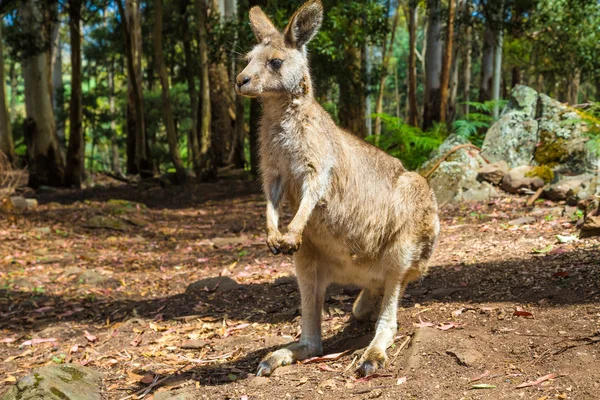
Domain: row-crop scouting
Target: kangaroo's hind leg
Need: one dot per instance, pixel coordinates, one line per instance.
(367, 304)
(312, 293)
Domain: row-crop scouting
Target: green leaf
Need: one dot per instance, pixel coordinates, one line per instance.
(483, 386)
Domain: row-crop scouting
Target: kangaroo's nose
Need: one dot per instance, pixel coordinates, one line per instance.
(242, 80)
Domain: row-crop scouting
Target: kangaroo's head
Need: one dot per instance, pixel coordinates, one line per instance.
(278, 64)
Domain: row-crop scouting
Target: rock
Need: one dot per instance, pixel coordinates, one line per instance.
(513, 137)
(484, 191)
(102, 222)
(466, 355)
(125, 205)
(214, 284)
(493, 173)
(563, 142)
(194, 344)
(44, 230)
(457, 174)
(92, 277)
(515, 181)
(522, 221)
(57, 382)
(570, 185)
(591, 226)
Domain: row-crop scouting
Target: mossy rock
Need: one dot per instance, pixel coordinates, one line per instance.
(551, 150)
(57, 382)
(543, 172)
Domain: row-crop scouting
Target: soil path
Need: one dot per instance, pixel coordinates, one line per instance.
(89, 280)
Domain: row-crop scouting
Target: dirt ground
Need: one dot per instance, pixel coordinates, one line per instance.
(502, 306)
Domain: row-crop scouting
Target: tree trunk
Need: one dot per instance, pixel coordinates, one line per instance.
(575, 82)
(193, 138)
(47, 167)
(222, 106)
(497, 72)
(207, 156)
(447, 61)
(167, 108)
(58, 90)
(516, 76)
(255, 113)
(75, 152)
(433, 66)
(413, 108)
(487, 64)
(6, 137)
(387, 51)
(131, 26)
(236, 155)
(467, 64)
(13, 91)
(353, 93)
(115, 154)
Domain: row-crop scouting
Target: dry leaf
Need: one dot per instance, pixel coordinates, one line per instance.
(537, 381)
(328, 357)
(423, 324)
(478, 377)
(90, 337)
(327, 368)
(23, 354)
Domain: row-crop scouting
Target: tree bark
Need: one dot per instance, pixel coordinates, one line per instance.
(115, 154)
(207, 156)
(413, 108)
(131, 25)
(447, 61)
(75, 151)
(467, 64)
(6, 137)
(47, 166)
(353, 93)
(13, 90)
(193, 138)
(167, 108)
(433, 66)
(487, 63)
(387, 50)
(222, 103)
(497, 71)
(58, 90)
(575, 82)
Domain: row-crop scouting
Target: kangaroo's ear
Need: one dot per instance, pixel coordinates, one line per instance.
(304, 24)
(261, 24)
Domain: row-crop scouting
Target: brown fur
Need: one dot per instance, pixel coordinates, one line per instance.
(360, 217)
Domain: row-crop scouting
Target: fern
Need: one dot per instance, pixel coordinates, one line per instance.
(406, 142)
(474, 125)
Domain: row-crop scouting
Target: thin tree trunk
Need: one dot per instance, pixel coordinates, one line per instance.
(352, 99)
(497, 72)
(236, 155)
(6, 137)
(447, 61)
(574, 87)
(467, 65)
(75, 151)
(487, 64)
(115, 154)
(396, 83)
(413, 108)
(47, 166)
(516, 76)
(142, 158)
(167, 108)
(433, 66)
(193, 138)
(207, 156)
(13, 91)
(58, 90)
(387, 51)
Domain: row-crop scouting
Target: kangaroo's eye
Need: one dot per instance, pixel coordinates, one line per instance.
(275, 63)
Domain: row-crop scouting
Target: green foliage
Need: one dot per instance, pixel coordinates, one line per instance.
(406, 142)
(591, 116)
(474, 125)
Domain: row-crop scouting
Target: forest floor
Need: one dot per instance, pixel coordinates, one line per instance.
(503, 305)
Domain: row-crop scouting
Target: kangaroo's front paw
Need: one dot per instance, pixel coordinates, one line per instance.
(290, 243)
(274, 242)
(371, 361)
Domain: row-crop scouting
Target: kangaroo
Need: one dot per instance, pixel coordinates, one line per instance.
(360, 217)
